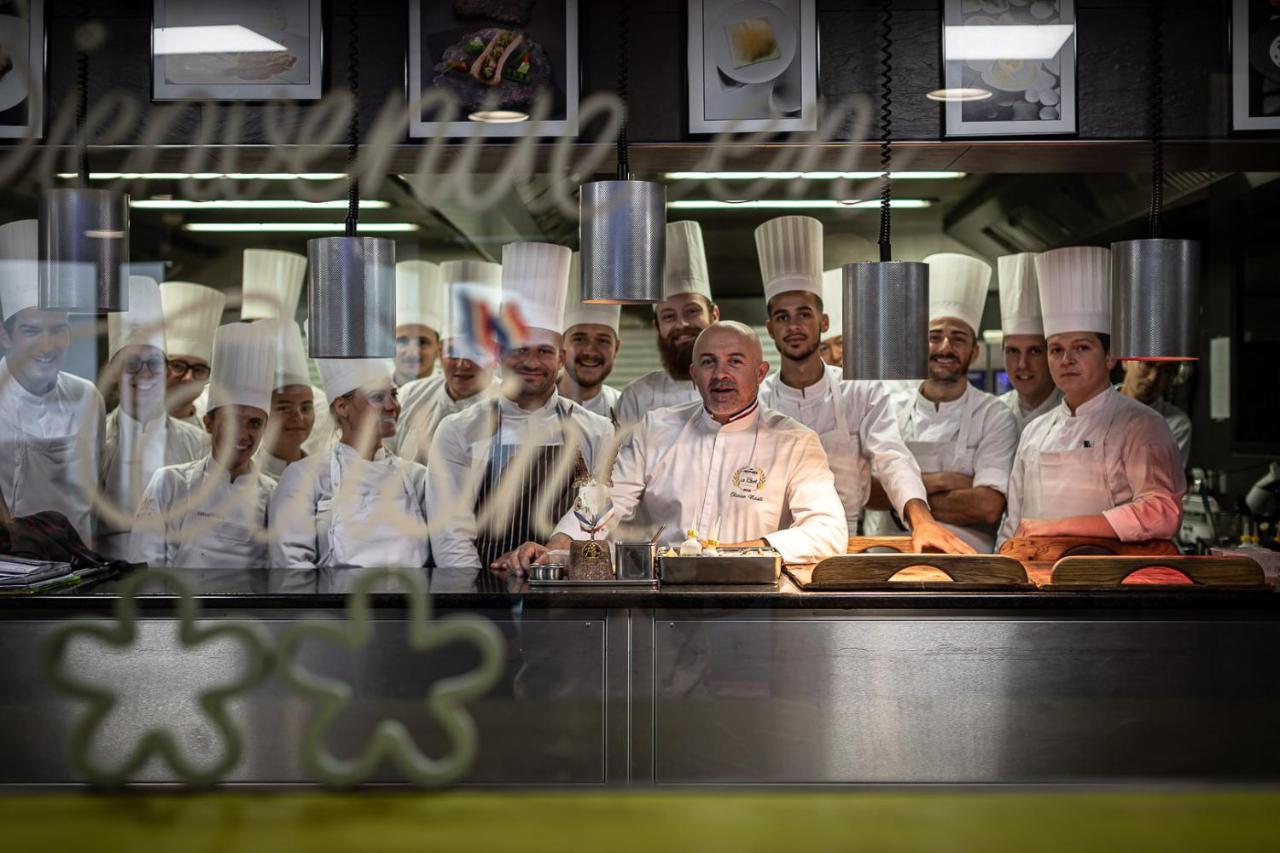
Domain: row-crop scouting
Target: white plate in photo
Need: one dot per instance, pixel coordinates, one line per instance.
(721, 51)
(13, 86)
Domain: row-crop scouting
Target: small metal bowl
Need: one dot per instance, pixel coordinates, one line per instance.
(547, 572)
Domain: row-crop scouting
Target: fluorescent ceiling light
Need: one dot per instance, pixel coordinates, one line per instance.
(208, 176)
(315, 227)
(231, 38)
(249, 204)
(810, 176)
(960, 94)
(1018, 41)
(795, 204)
(498, 116)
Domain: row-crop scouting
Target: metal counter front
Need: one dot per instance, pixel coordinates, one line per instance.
(703, 686)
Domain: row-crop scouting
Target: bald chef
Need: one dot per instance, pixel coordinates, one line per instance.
(50, 421)
(591, 343)
(505, 471)
(466, 370)
(963, 439)
(1025, 351)
(685, 310)
(854, 420)
(292, 414)
(725, 467)
(212, 513)
(141, 436)
(1099, 464)
(832, 347)
(191, 314)
(419, 298)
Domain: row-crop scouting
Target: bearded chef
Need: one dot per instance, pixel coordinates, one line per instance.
(504, 472)
(854, 420)
(1100, 464)
(292, 413)
(141, 436)
(1148, 382)
(963, 439)
(1024, 346)
(832, 347)
(191, 314)
(466, 370)
(354, 504)
(419, 298)
(685, 310)
(212, 513)
(51, 422)
(591, 343)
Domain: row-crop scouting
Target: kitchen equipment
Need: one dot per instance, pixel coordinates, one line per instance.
(877, 571)
(547, 572)
(1110, 572)
(730, 567)
(635, 560)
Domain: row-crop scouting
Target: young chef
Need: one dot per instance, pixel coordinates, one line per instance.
(212, 513)
(591, 343)
(1100, 464)
(51, 422)
(419, 297)
(963, 439)
(854, 420)
(685, 311)
(355, 504)
(141, 436)
(1025, 358)
(292, 414)
(191, 314)
(725, 466)
(505, 471)
(1147, 382)
(832, 347)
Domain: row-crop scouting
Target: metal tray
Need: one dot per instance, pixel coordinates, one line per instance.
(723, 569)
(566, 583)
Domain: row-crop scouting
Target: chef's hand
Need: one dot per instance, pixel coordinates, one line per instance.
(929, 535)
(519, 559)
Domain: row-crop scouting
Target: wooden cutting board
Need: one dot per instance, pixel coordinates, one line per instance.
(898, 571)
(1203, 572)
(1053, 548)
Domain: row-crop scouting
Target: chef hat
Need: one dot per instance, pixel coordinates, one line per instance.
(685, 267)
(958, 287)
(1075, 289)
(244, 365)
(342, 375)
(19, 266)
(272, 283)
(833, 301)
(419, 295)
(290, 353)
(191, 314)
(577, 312)
(1019, 295)
(143, 323)
(535, 278)
(790, 250)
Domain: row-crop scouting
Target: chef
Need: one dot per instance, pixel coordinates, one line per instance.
(419, 298)
(1024, 347)
(1100, 464)
(355, 504)
(963, 439)
(212, 513)
(292, 414)
(1148, 382)
(685, 310)
(832, 347)
(466, 370)
(191, 314)
(504, 471)
(855, 421)
(591, 343)
(51, 422)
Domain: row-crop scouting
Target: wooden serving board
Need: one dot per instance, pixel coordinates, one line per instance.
(1110, 572)
(862, 544)
(1053, 548)
(896, 571)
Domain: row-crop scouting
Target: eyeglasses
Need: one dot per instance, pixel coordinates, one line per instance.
(155, 364)
(179, 368)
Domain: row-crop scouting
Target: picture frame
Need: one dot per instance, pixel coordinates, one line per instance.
(752, 65)
(271, 53)
(442, 54)
(22, 34)
(1255, 65)
(1028, 95)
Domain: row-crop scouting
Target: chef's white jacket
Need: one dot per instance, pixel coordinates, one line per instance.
(1179, 424)
(602, 404)
(424, 403)
(269, 464)
(1021, 417)
(652, 391)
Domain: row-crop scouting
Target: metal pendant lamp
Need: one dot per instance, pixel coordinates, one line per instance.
(351, 295)
(622, 223)
(1155, 282)
(886, 303)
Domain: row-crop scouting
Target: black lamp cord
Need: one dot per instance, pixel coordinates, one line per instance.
(624, 81)
(82, 100)
(353, 133)
(1157, 116)
(886, 122)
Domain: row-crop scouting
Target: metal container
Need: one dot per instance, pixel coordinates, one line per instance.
(635, 560)
(623, 235)
(547, 572)
(728, 568)
(1155, 299)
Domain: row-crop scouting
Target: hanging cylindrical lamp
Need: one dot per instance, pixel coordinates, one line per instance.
(622, 223)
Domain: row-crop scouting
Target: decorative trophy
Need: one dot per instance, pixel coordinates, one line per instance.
(589, 560)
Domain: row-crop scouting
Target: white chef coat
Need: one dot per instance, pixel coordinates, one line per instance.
(763, 475)
(860, 436)
(424, 403)
(460, 456)
(190, 520)
(652, 391)
(49, 448)
(602, 404)
(1179, 424)
(1114, 456)
(974, 435)
(1021, 417)
(271, 465)
(336, 509)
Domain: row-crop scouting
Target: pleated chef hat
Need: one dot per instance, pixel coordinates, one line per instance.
(958, 287)
(19, 266)
(291, 355)
(419, 295)
(1019, 294)
(790, 250)
(341, 375)
(143, 323)
(272, 283)
(685, 267)
(479, 277)
(535, 277)
(577, 312)
(1075, 289)
(244, 365)
(833, 301)
(191, 315)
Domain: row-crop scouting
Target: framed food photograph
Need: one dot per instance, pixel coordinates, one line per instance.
(1009, 67)
(1255, 65)
(497, 58)
(753, 65)
(236, 50)
(21, 69)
